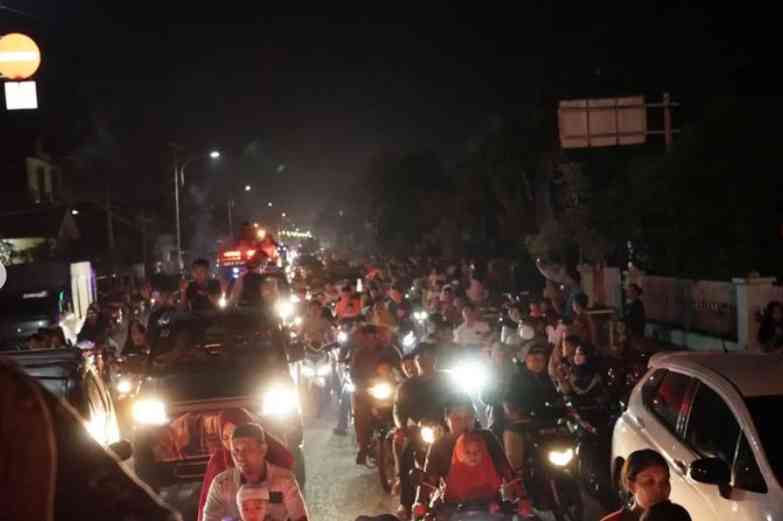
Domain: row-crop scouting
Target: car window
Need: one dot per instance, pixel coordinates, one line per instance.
(665, 395)
(747, 475)
(712, 429)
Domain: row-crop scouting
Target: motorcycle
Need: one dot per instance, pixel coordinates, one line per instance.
(591, 425)
(381, 449)
(551, 469)
(317, 378)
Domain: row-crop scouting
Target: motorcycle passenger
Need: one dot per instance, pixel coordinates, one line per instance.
(461, 419)
(249, 450)
(316, 327)
(371, 348)
(562, 360)
(136, 340)
(584, 379)
(252, 289)
(645, 476)
(473, 332)
(221, 460)
(203, 293)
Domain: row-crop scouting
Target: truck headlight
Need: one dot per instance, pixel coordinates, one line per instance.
(561, 458)
(280, 401)
(381, 391)
(150, 411)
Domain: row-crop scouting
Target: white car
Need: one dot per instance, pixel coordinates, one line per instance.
(713, 416)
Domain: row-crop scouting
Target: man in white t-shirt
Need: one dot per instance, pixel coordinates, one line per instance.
(473, 331)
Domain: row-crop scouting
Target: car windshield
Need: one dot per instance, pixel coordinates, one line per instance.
(764, 410)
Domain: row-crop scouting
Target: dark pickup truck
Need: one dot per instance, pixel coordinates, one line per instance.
(200, 364)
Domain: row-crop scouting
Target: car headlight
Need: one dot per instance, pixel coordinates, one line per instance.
(471, 377)
(342, 337)
(409, 340)
(150, 411)
(124, 386)
(428, 435)
(285, 309)
(280, 401)
(561, 458)
(324, 370)
(381, 391)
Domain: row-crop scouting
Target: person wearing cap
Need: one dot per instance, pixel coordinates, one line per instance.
(253, 503)
(248, 450)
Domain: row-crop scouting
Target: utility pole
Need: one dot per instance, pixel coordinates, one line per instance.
(110, 229)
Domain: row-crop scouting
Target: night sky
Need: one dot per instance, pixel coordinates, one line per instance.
(323, 94)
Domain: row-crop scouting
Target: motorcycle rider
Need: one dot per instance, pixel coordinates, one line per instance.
(529, 394)
(371, 347)
(439, 467)
(349, 307)
(421, 398)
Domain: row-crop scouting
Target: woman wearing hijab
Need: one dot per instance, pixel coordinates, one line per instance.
(472, 476)
(221, 460)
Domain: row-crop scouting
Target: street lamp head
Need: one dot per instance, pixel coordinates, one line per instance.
(214, 154)
(270, 204)
(283, 214)
(248, 188)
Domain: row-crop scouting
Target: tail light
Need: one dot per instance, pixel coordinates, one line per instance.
(232, 255)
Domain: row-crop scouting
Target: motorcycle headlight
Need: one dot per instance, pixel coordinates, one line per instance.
(381, 391)
(409, 340)
(561, 458)
(471, 376)
(124, 386)
(342, 337)
(298, 321)
(280, 401)
(150, 411)
(285, 309)
(350, 387)
(222, 302)
(324, 370)
(308, 371)
(428, 435)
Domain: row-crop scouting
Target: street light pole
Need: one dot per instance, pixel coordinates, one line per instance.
(179, 177)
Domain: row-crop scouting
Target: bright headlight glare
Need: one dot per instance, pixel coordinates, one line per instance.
(561, 458)
(324, 370)
(382, 391)
(280, 401)
(350, 387)
(285, 309)
(223, 302)
(342, 337)
(308, 371)
(409, 340)
(124, 386)
(298, 321)
(470, 376)
(150, 411)
(295, 299)
(428, 435)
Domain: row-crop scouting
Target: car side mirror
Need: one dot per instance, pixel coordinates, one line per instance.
(711, 471)
(122, 449)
